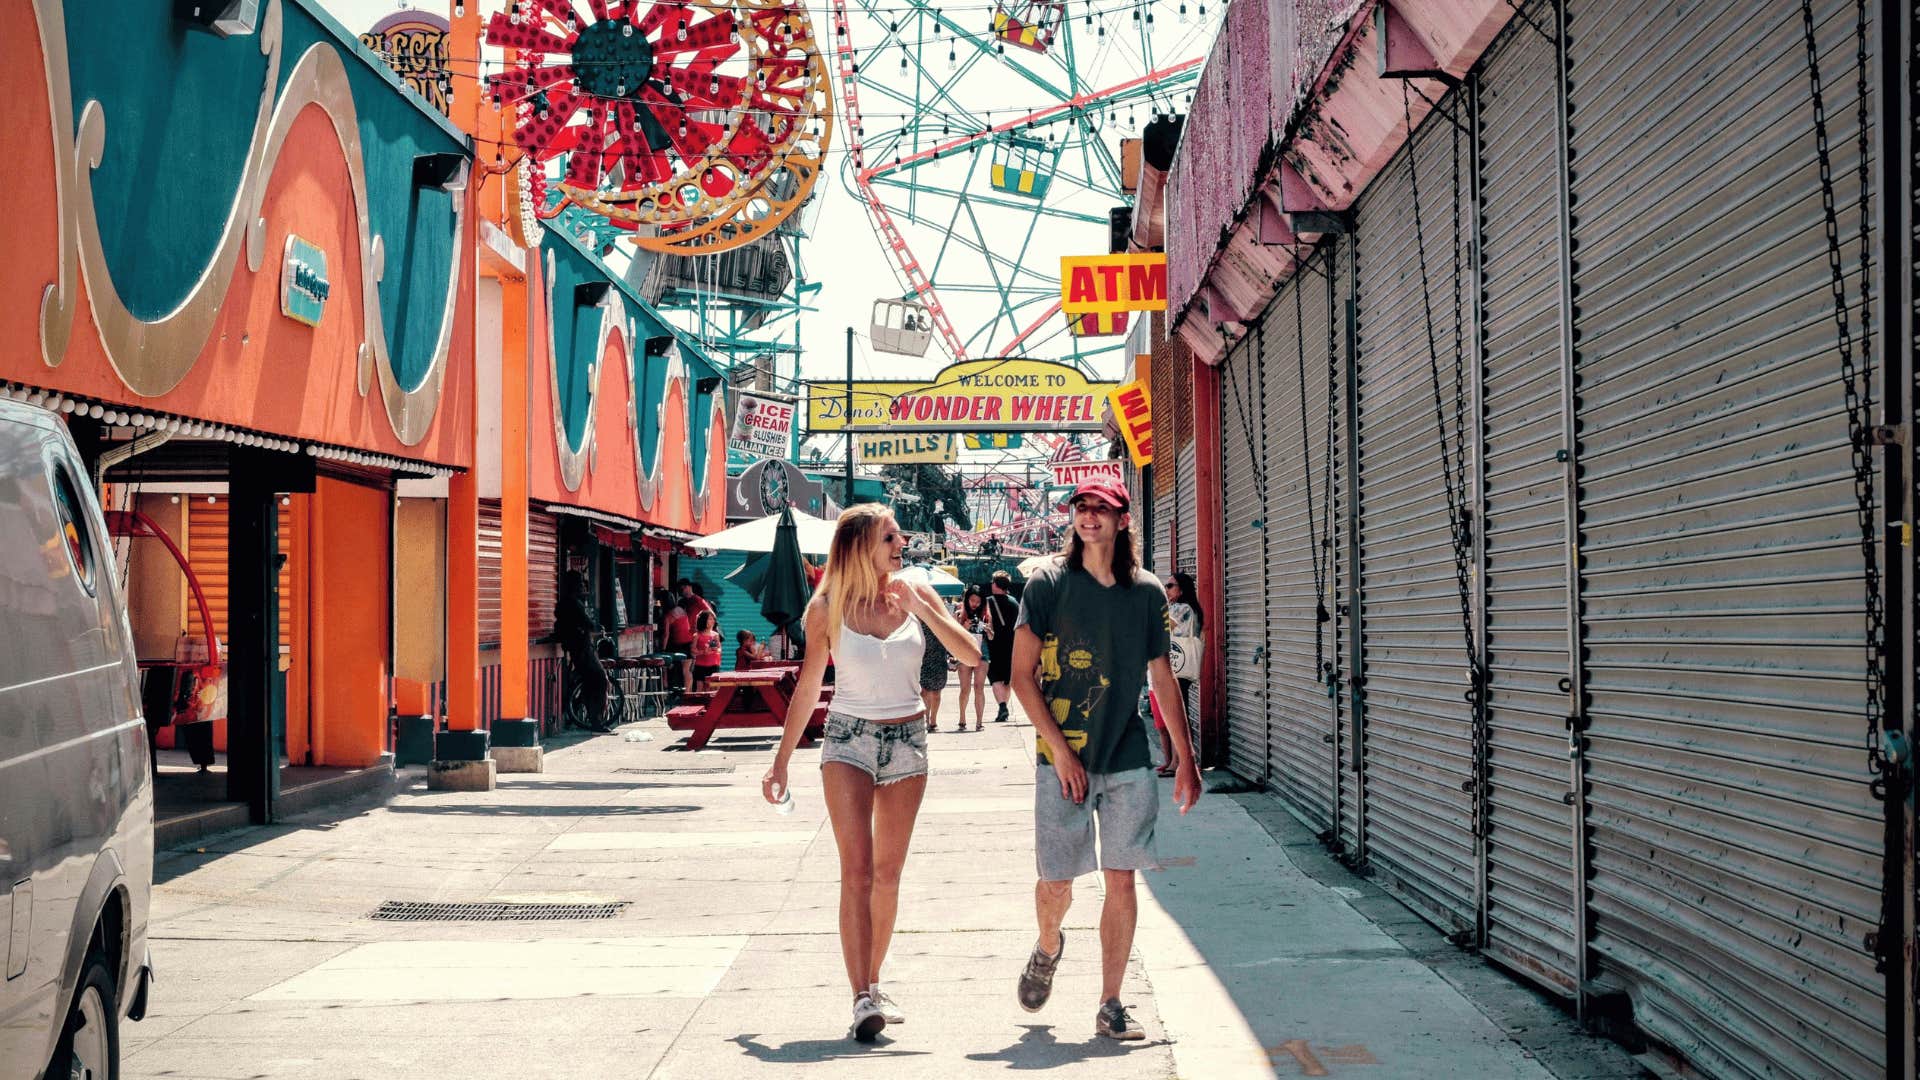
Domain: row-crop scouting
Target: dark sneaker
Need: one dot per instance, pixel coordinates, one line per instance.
(867, 1019)
(1036, 982)
(1115, 1023)
(1001, 716)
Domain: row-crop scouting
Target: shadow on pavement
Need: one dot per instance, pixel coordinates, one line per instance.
(1038, 1049)
(597, 785)
(535, 810)
(753, 745)
(804, 1050)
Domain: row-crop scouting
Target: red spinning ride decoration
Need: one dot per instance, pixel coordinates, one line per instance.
(696, 125)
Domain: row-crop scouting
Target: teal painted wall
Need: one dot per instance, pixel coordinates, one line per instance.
(180, 106)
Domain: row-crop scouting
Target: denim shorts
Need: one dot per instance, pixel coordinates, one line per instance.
(1124, 803)
(886, 752)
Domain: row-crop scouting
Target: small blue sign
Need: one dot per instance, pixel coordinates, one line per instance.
(303, 282)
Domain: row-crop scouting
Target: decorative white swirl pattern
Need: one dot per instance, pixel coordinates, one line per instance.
(152, 358)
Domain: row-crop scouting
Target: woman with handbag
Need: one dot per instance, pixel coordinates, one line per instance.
(1189, 622)
(972, 613)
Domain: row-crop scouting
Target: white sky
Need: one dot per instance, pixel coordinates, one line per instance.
(846, 257)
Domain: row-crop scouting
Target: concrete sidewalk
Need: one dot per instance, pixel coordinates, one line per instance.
(725, 961)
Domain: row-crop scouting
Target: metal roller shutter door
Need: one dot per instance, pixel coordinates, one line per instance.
(1349, 795)
(1530, 871)
(1185, 554)
(1294, 377)
(488, 539)
(1419, 749)
(1734, 845)
(1244, 620)
(543, 573)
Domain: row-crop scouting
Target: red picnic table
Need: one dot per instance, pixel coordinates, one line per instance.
(744, 699)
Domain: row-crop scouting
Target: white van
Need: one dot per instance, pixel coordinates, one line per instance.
(76, 792)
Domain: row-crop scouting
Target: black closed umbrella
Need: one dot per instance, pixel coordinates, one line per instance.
(784, 589)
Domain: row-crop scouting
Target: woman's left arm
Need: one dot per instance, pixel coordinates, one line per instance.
(944, 626)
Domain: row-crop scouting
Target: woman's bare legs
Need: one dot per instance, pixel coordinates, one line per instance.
(930, 700)
(966, 689)
(977, 674)
(872, 827)
(895, 806)
(849, 794)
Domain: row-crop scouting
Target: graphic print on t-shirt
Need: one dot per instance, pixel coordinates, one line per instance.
(1094, 647)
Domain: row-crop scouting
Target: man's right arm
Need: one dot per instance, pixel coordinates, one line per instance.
(1026, 687)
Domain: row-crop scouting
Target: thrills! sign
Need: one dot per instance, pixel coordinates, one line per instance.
(928, 449)
(973, 395)
(762, 425)
(1109, 284)
(1133, 407)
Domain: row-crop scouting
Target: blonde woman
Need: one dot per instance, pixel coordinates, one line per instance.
(873, 761)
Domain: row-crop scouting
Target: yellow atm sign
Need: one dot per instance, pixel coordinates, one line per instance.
(1107, 284)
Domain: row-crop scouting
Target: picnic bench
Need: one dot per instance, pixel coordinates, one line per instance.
(755, 698)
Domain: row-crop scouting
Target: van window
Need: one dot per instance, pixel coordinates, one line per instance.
(73, 528)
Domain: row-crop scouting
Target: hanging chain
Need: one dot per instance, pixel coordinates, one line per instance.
(1856, 378)
(1306, 470)
(1452, 457)
(1329, 669)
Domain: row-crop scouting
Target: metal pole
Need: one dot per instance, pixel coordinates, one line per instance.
(1570, 455)
(849, 418)
(1894, 189)
(1356, 586)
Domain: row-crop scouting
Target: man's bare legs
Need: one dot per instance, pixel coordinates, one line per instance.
(1051, 899)
(1117, 918)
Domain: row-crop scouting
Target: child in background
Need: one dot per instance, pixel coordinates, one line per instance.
(748, 652)
(706, 649)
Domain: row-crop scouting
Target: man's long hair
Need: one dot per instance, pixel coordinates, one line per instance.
(1126, 554)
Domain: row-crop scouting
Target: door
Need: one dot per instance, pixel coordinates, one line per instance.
(1529, 847)
(1735, 846)
(1419, 755)
(1294, 379)
(1244, 621)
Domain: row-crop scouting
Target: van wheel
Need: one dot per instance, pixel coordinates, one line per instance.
(89, 1046)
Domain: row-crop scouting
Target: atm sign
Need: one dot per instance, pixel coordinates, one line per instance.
(1106, 284)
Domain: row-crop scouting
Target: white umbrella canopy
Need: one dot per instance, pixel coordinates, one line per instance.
(943, 583)
(816, 535)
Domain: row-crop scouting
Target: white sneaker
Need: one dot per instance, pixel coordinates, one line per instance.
(867, 1019)
(887, 1006)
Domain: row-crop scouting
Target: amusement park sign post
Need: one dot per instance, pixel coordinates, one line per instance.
(974, 395)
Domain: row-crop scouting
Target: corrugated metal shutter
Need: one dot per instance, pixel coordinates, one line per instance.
(1735, 848)
(1165, 438)
(1294, 373)
(488, 538)
(207, 549)
(1419, 749)
(1349, 797)
(1242, 431)
(543, 572)
(1530, 871)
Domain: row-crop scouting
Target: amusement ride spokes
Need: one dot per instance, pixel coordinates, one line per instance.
(983, 141)
(695, 126)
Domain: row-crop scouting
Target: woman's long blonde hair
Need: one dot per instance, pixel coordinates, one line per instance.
(851, 581)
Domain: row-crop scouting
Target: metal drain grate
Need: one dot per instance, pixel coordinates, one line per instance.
(420, 911)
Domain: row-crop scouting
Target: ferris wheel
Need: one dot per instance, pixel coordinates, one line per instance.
(983, 138)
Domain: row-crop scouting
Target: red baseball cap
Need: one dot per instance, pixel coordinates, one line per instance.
(1114, 495)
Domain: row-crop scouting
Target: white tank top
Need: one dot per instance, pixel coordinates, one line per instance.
(878, 679)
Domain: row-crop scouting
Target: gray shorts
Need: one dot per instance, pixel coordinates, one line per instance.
(1124, 803)
(886, 752)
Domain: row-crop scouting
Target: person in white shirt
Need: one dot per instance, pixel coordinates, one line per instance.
(873, 761)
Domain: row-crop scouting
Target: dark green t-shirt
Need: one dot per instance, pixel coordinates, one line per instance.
(1095, 644)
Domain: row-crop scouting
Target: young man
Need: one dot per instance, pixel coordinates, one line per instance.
(1002, 613)
(1094, 625)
